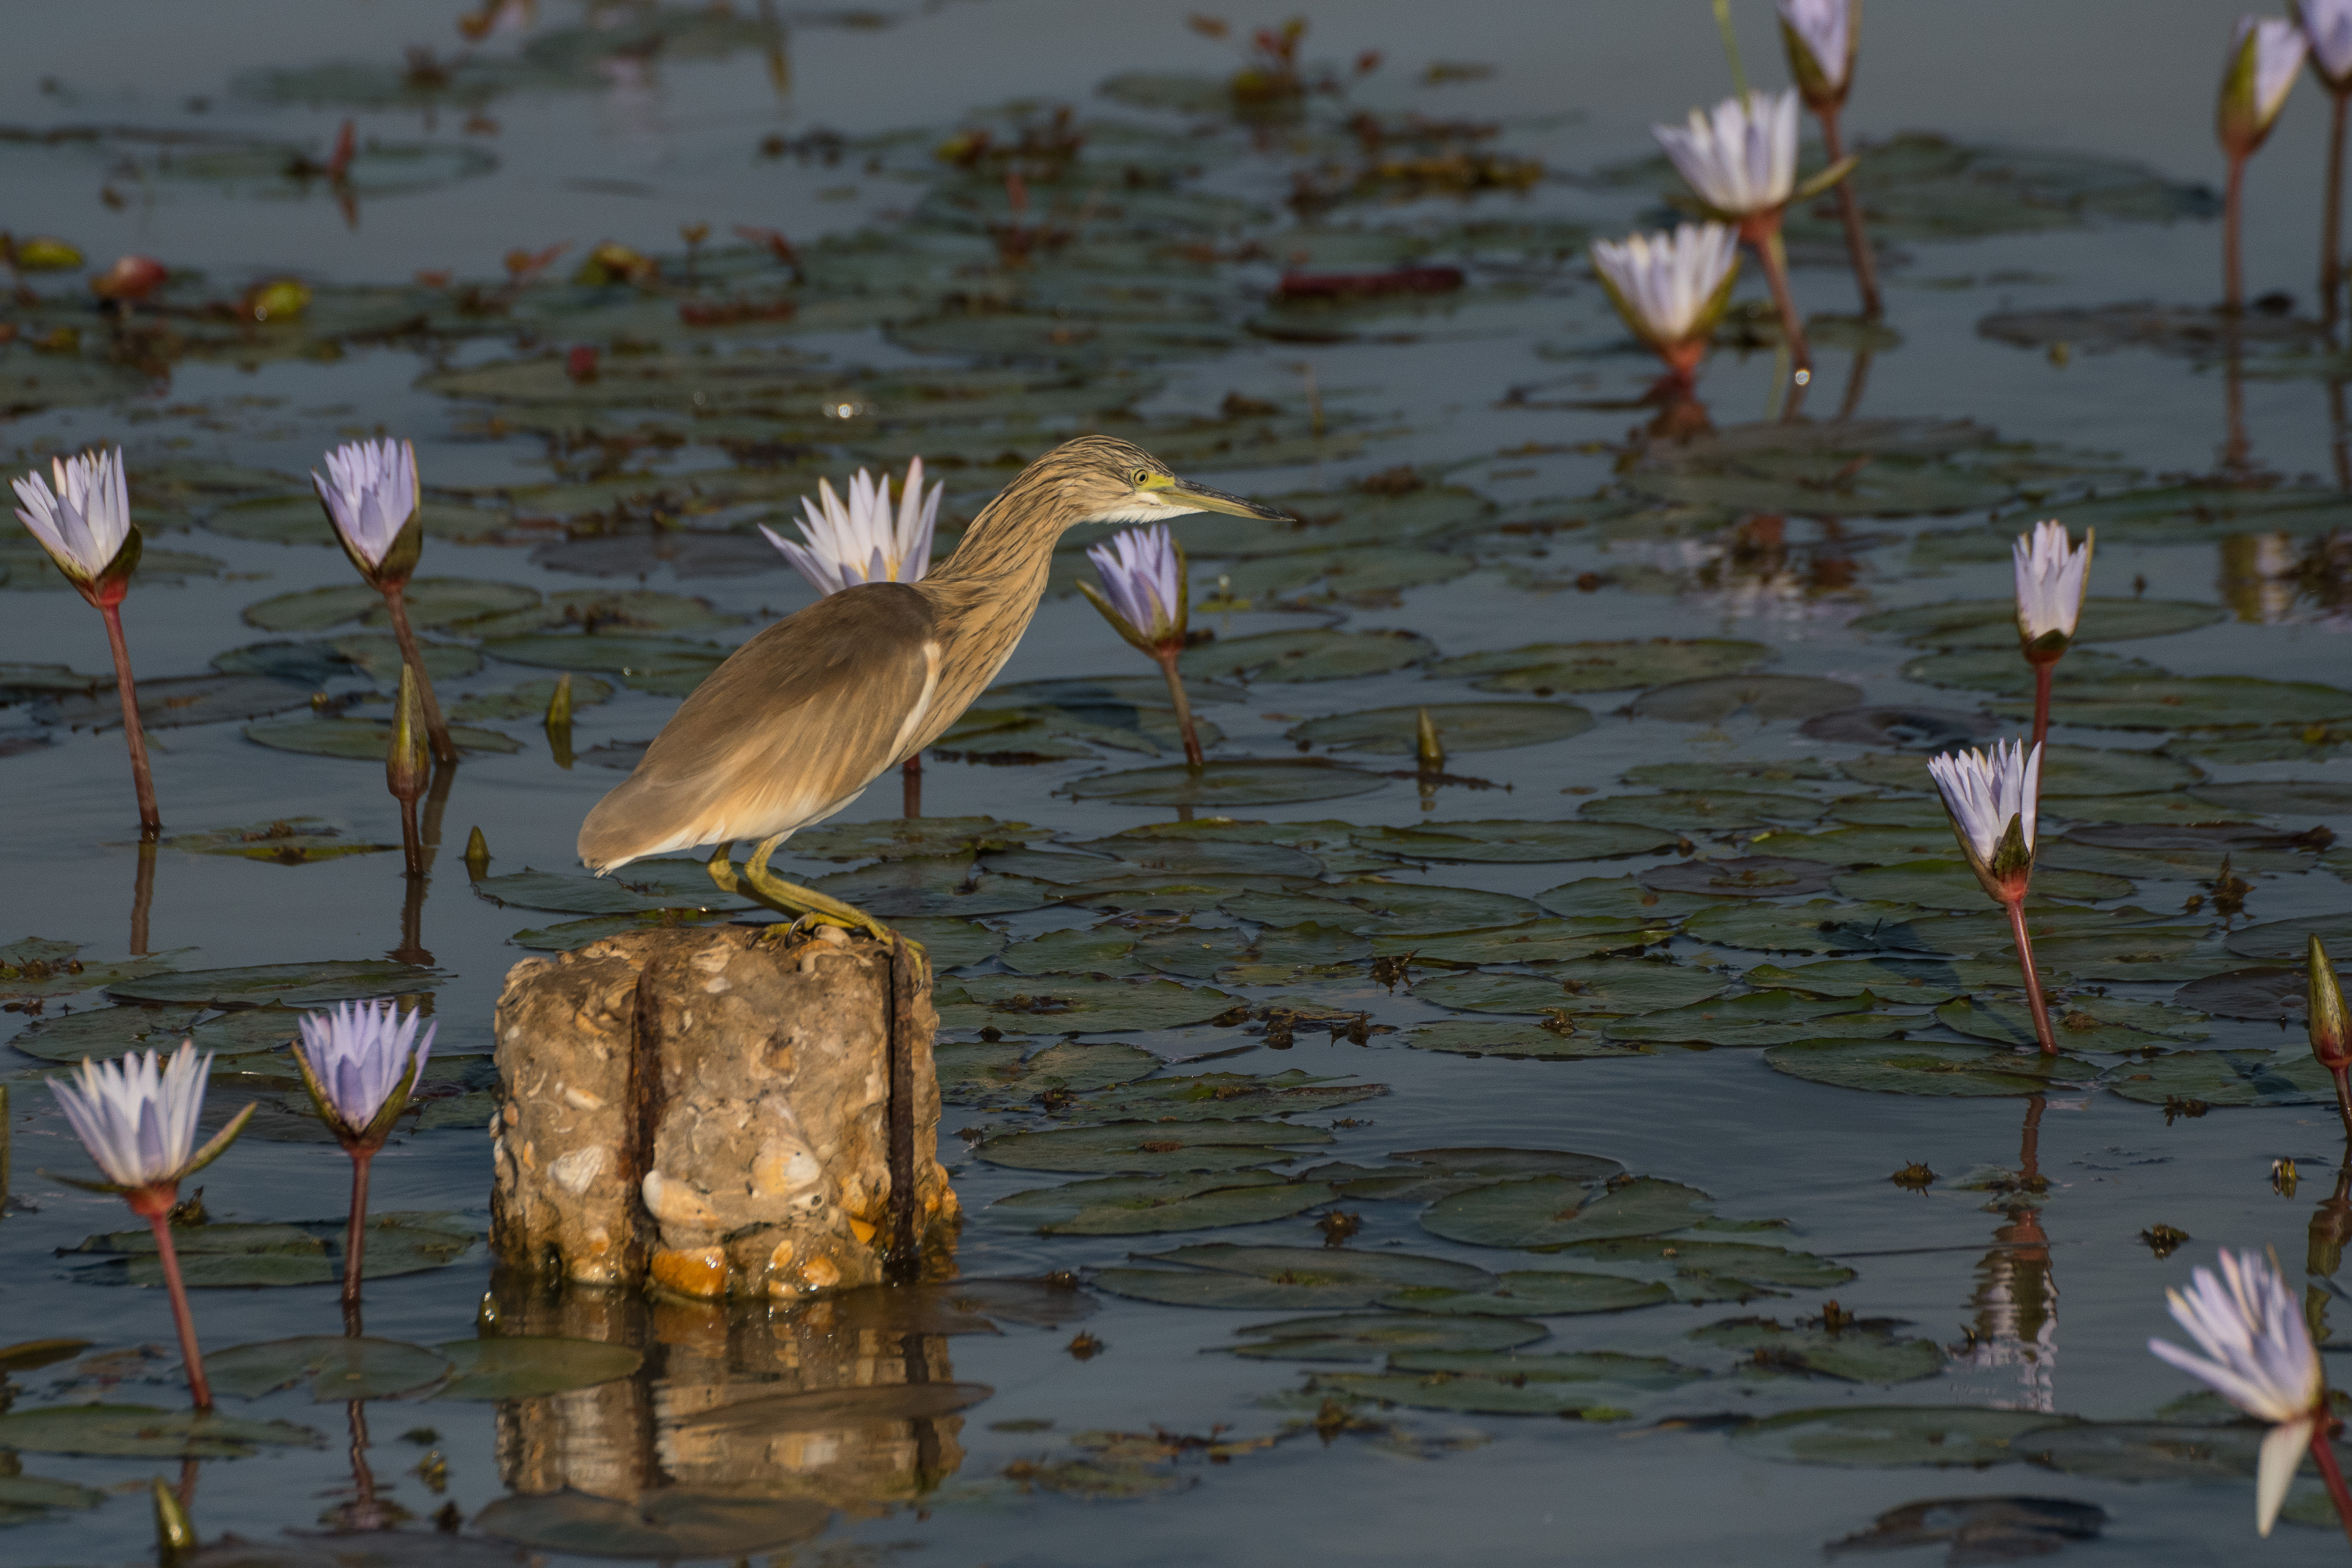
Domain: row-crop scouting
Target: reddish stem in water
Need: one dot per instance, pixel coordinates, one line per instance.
(134, 733)
(2042, 674)
(2331, 233)
(2323, 1457)
(1857, 243)
(910, 786)
(1762, 233)
(154, 1205)
(1193, 756)
(412, 842)
(355, 1238)
(2016, 907)
(2344, 1097)
(2233, 278)
(437, 729)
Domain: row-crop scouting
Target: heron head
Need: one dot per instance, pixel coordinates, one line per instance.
(1107, 481)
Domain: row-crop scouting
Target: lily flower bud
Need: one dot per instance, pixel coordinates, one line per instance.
(408, 762)
(2331, 1029)
(1990, 797)
(1820, 36)
(84, 523)
(2327, 29)
(1672, 288)
(2265, 54)
(1144, 590)
(2053, 574)
(371, 496)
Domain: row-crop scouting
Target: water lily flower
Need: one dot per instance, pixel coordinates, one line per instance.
(1821, 37)
(1672, 288)
(863, 541)
(137, 1118)
(372, 496)
(1741, 159)
(2328, 33)
(1990, 797)
(1145, 598)
(2265, 55)
(2258, 1356)
(2053, 573)
(85, 525)
(361, 1061)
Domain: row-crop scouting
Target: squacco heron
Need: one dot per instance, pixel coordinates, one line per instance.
(797, 721)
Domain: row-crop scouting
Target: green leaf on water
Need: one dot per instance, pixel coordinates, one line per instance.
(143, 1432)
(1375, 1336)
(280, 985)
(1547, 1213)
(1073, 1005)
(1905, 982)
(947, 885)
(1716, 1270)
(625, 654)
(1227, 784)
(1442, 1173)
(1472, 1037)
(1992, 623)
(1461, 726)
(362, 740)
(1221, 1096)
(1206, 1205)
(1755, 698)
(1950, 884)
(526, 700)
(1695, 811)
(2082, 1023)
(951, 943)
(1930, 1067)
(569, 936)
(996, 1073)
(1534, 1293)
(665, 1525)
(2281, 797)
(1581, 985)
(2192, 702)
(1510, 841)
(1396, 908)
(1081, 950)
(1654, 1374)
(1474, 1396)
(431, 602)
(2065, 771)
(1146, 1148)
(2290, 940)
(526, 1367)
(1938, 1434)
(2226, 1078)
(2137, 1451)
(1283, 1277)
(1308, 653)
(1857, 1352)
(897, 839)
(336, 1368)
(1546, 668)
(1765, 1018)
(26, 1499)
(1204, 953)
(640, 886)
(1589, 896)
(284, 841)
(1817, 925)
(1537, 942)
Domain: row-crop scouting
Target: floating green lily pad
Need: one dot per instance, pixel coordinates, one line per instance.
(1510, 841)
(526, 699)
(103, 1032)
(1907, 981)
(1992, 623)
(1461, 726)
(1146, 1148)
(519, 1367)
(363, 740)
(143, 1432)
(2291, 1076)
(1623, 895)
(996, 1073)
(1950, 884)
(898, 838)
(2262, 993)
(285, 841)
(2290, 940)
(1217, 1097)
(1398, 908)
(1761, 698)
(643, 887)
(625, 654)
(941, 886)
(1472, 1395)
(1546, 1213)
(1537, 942)
(1308, 654)
(1764, 1018)
(1716, 1270)
(180, 701)
(2065, 771)
(25, 1499)
(1817, 925)
(2281, 797)
(230, 1256)
(1859, 1353)
(1472, 1037)
(1262, 1278)
(1374, 1336)
(569, 936)
(1204, 1207)
(2148, 1451)
(665, 1525)
(1695, 811)
(1073, 1005)
(1633, 1371)
(1546, 668)
(2191, 702)
(336, 1368)
(1048, 1206)
(431, 602)
(1582, 985)
(1940, 1434)
(1534, 1293)
(1931, 1068)
(1081, 950)
(1227, 784)
(2084, 1024)
(950, 943)
(280, 985)
(1442, 1173)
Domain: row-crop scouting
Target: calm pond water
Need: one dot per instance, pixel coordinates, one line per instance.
(1478, 481)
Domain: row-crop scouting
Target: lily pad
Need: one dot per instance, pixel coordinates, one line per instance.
(2065, 771)
(526, 699)
(1442, 1173)
(365, 740)
(1375, 1336)
(947, 886)
(1543, 668)
(898, 839)
(1590, 896)
(2192, 702)
(1761, 698)
(285, 841)
(23, 1498)
(1939, 1434)
(518, 1366)
(2227, 1078)
(431, 602)
(1535, 1293)
(337, 1369)
(1742, 876)
(231, 1256)
(1262, 1279)
(1308, 654)
(1537, 942)
(1078, 950)
(1073, 1005)
(641, 887)
(2263, 994)
(569, 936)
(1510, 841)
(179, 701)
(103, 1032)
(1858, 1352)
(2085, 1024)
(1818, 925)
(1461, 726)
(995, 1073)
(625, 654)
(1148, 1148)
(2281, 797)
(1582, 985)
(143, 1432)
(1930, 1067)
(1950, 884)
(951, 943)
(1992, 623)
(1547, 1213)
(1717, 1270)
(1471, 1038)
(1685, 811)
(280, 985)
(1141, 1210)
(1650, 1374)
(1905, 982)
(665, 1525)
(2290, 940)
(1228, 783)
(2147, 1450)
(1764, 1018)
(1217, 1097)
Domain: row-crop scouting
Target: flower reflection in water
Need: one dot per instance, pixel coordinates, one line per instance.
(2012, 1341)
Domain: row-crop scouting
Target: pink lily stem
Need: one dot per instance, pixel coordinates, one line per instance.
(2324, 1456)
(1193, 756)
(2042, 674)
(2344, 1099)
(1762, 233)
(2233, 272)
(2016, 907)
(154, 1206)
(2331, 230)
(355, 1239)
(1857, 243)
(910, 786)
(134, 733)
(412, 842)
(395, 599)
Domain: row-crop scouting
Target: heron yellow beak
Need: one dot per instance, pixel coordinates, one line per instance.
(1200, 498)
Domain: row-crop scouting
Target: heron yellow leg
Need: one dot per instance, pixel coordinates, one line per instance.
(794, 900)
(721, 867)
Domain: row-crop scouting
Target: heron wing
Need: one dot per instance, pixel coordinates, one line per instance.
(787, 731)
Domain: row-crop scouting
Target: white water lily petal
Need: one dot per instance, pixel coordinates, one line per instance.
(137, 1117)
(1138, 576)
(370, 493)
(1983, 791)
(2052, 573)
(862, 542)
(84, 521)
(2283, 1452)
(2278, 49)
(1822, 26)
(359, 1052)
(1668, 280)
(1742, 158)
(2327, 29)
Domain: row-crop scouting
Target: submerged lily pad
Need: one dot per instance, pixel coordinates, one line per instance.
(1547, 1213)
(1374, 1336)
(336, 1368)
(1543, 668)
(2148, 1451)
(517, 1367)
(1461, 726)
(1147, 1148)
(665, 1525)
(1938, 1434)
(2281, 940)
(281, 985)
(1308, 654)
(1226, 784)
(143, 1432)
(2264, 993)
(1758, 697)
(1929, 1066)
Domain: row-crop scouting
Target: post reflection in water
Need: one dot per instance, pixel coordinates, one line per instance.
(2014, 1338)
(752, 1421)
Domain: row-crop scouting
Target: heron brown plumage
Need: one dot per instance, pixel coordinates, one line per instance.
(797, 721)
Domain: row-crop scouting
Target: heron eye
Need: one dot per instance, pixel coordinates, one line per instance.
(1142, 476)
